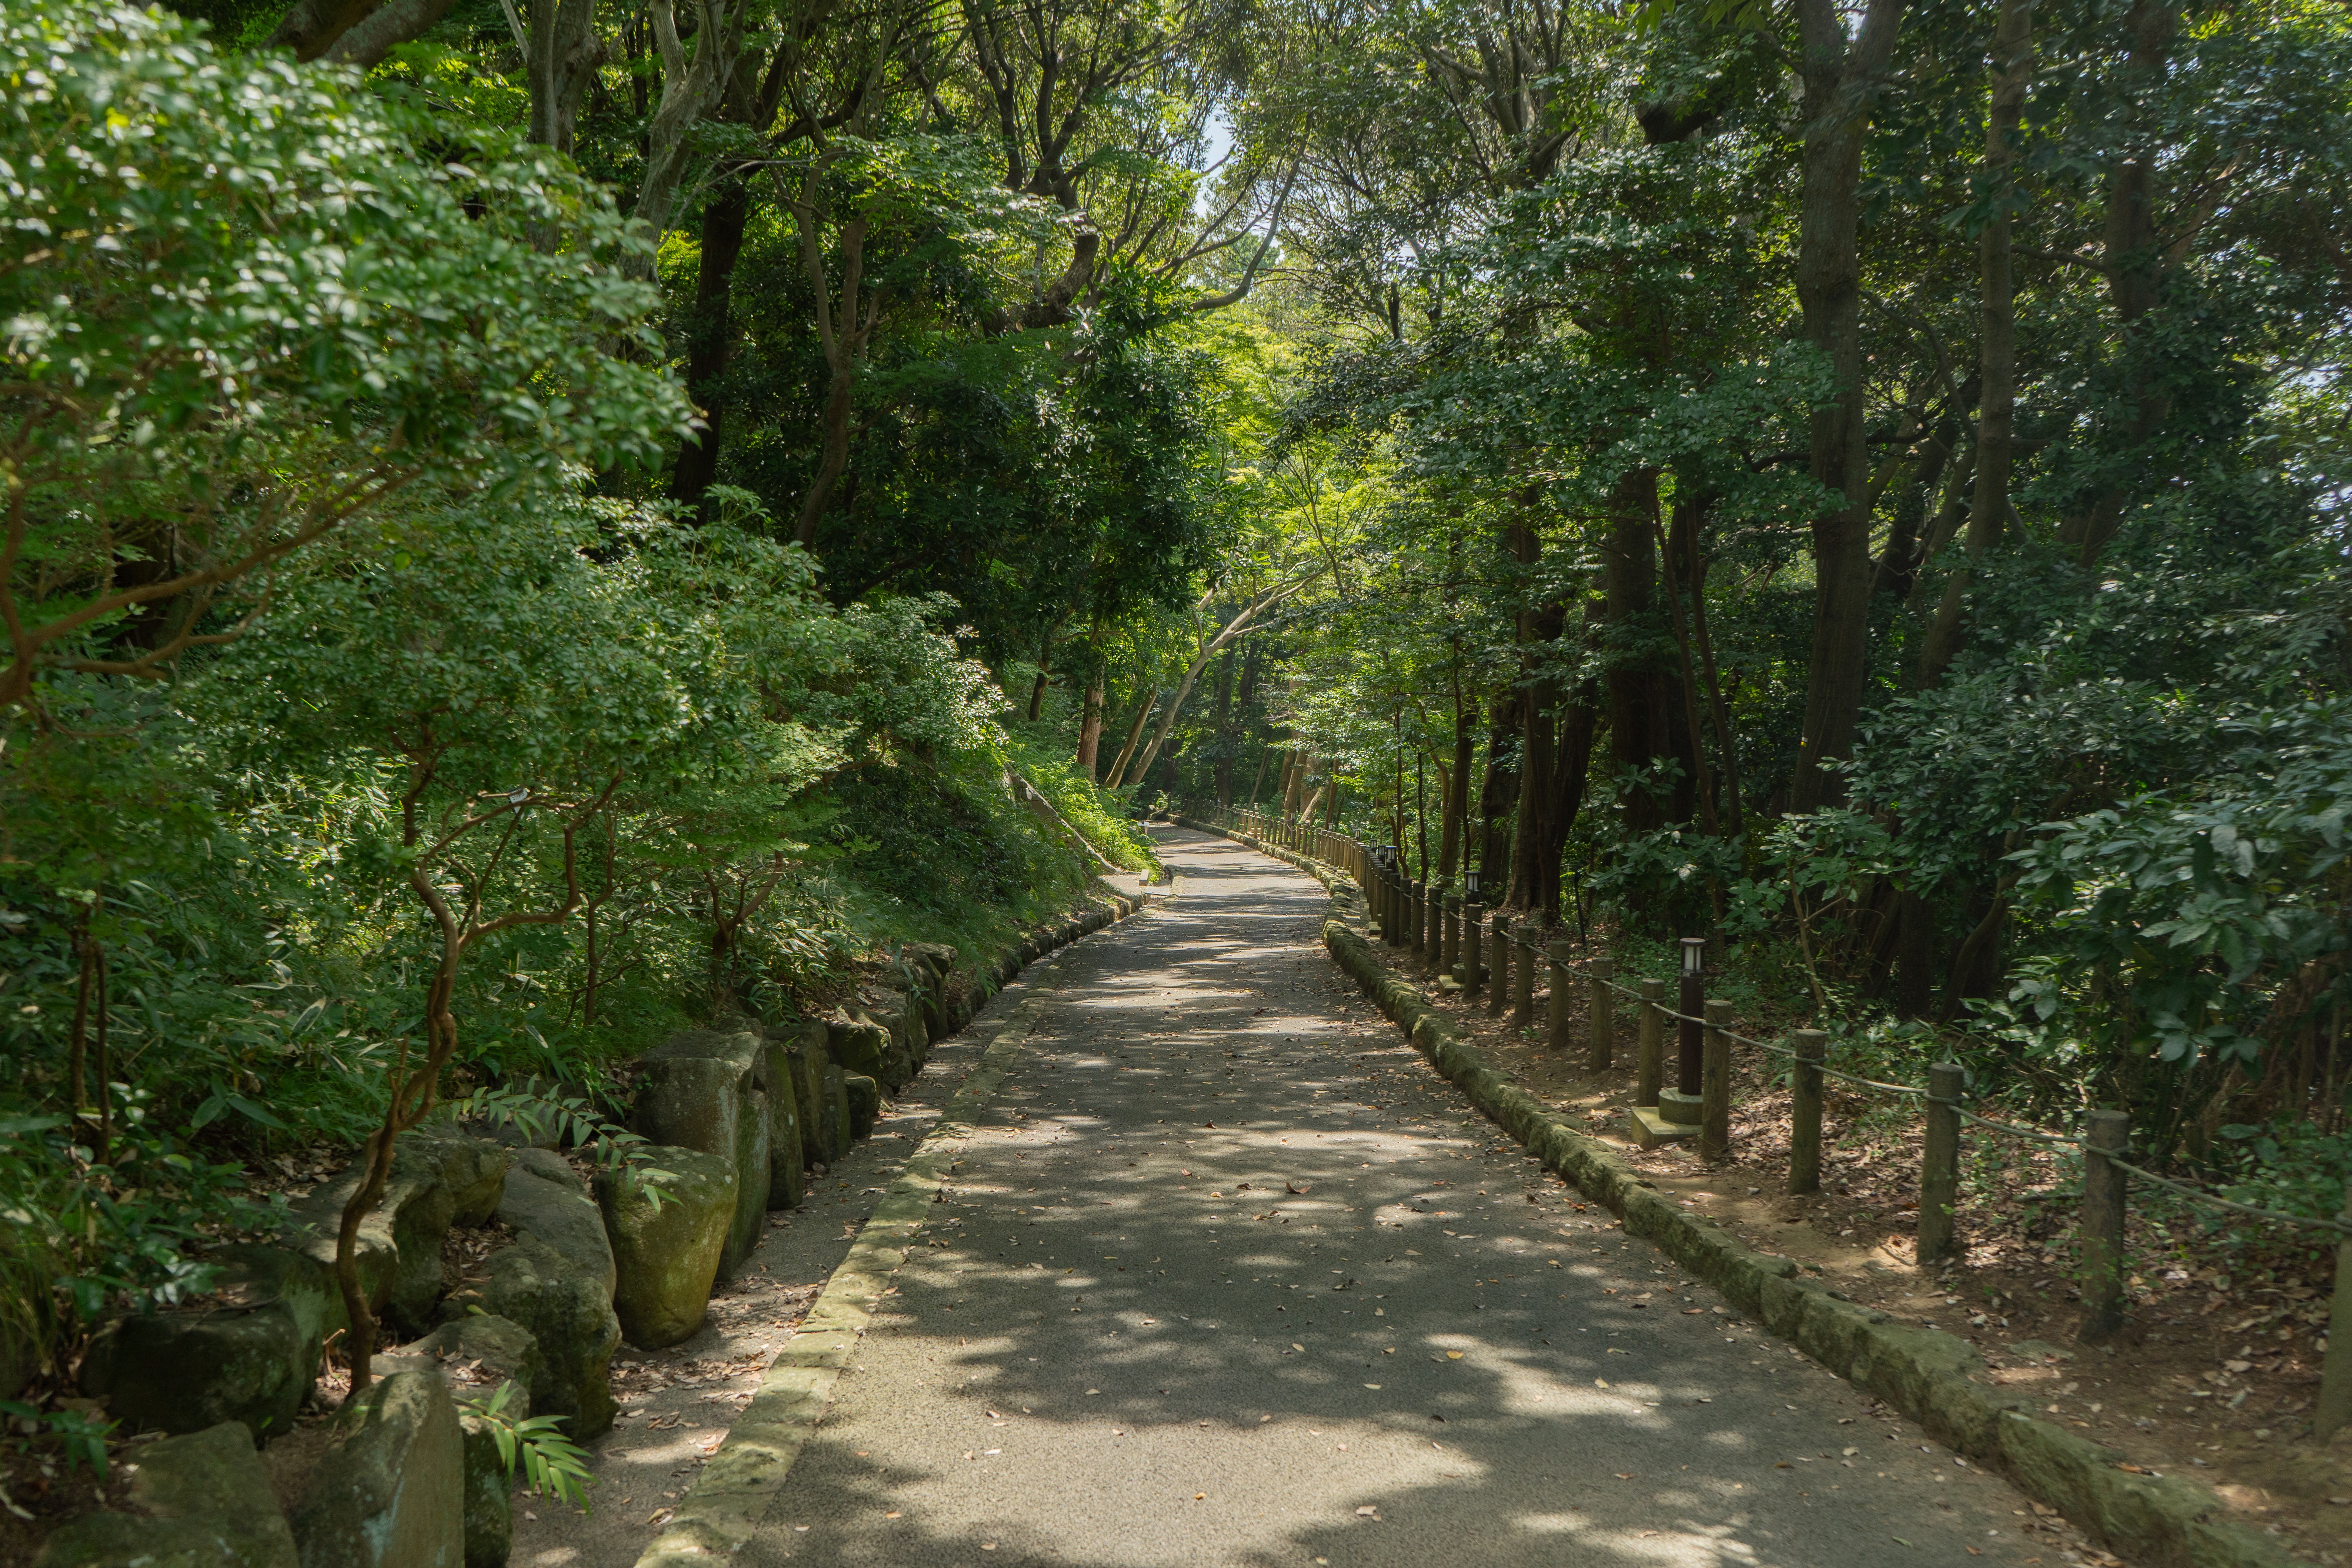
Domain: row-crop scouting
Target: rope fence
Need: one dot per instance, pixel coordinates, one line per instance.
(1452, 937)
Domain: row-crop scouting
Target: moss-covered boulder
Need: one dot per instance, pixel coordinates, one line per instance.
(390, 1492)
(787, 1161)
(864, 1103)
(441, 1176)
(701, 1090)
(250, 1353)
(668, 1227)
(202, 1501)
(489, 1354)
(556, 1281)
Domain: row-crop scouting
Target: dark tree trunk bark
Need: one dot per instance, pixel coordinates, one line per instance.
(1499, 797)
(1839, 80)
(1451, 854)
(1997, 412)
(709, 337)
(2135, 269)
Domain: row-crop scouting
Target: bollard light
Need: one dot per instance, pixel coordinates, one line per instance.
(1469, 884)
(1695, 955)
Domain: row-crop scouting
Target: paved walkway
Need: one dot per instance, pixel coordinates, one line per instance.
(1230, 1278)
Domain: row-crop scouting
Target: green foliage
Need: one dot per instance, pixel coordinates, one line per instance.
(552, 1465)
(254, 305)
(79, 1434)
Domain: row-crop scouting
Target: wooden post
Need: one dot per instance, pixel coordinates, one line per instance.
(1805, 1139)
(1523, 978)
(1715, 1083)
(1474, 926)
(1601, 1015)
(1939, 1175)
(1500, 997)
(1451, 961)
(1562, 988)
(2335, 1370)
(2101, 1230)
(1650, 1048)
(1436, 915)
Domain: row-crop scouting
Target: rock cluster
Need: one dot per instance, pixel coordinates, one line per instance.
(407, 1474)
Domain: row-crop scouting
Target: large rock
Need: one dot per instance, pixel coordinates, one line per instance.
(836, 1109)
(441, 1176)
(787, 1175)
(556, 1281)
(669, 1229)
(249, 1354)
(495, 1353)
(390, 1492)
(197, 1501)
(701, 1090)
(935, 962)
(490, 1349)
(808, 1057)
(864, 1103)
(863, 1044)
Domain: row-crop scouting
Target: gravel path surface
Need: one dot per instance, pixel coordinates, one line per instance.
(1228, 1275)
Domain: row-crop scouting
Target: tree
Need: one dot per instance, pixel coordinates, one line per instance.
(260, 311)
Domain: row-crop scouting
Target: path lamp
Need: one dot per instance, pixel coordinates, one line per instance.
(1680, 1104)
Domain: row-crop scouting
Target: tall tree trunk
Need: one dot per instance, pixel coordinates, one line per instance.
(1840, 81)
(1501, 793)
(1225, 764)
(1537, 835)
(710, 336)
(1090, 723)
(1450, 855)
(561, 53)
(2013, 61)
(693, 83)
(1638, 693)
(1134, 733)
(2135, 264)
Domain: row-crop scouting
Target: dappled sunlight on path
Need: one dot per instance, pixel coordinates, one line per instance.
(1226, 1276)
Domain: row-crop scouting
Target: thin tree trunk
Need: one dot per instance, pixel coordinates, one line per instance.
(1996, 416)
(2134, 263)
(710, 336)
(1044, 678)
(1224, 770)
(1135, 734)
(1498, 794)
(1233, 629)
(1457, 787)
(1840, 81)
(1090, 723)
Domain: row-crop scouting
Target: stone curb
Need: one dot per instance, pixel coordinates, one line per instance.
(2160, 1522)
(735, 1489)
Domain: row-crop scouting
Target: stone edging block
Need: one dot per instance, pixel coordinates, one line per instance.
(2160, 1522)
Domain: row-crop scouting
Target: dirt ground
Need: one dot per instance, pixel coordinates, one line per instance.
(2217, 1368)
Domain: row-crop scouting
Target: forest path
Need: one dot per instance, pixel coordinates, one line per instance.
(1231, 1277)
